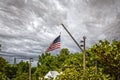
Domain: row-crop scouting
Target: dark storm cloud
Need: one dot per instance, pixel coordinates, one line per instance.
(27, 27)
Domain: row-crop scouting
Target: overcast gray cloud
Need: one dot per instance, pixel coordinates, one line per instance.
(27, 27)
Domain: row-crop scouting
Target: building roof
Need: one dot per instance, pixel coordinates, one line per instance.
(51, 74)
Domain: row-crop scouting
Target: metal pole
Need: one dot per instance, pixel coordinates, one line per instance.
(72, 38)
(30, 69)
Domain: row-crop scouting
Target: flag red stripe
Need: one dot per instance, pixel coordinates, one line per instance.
(53, 46)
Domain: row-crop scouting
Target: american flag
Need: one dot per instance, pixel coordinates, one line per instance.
(54, 45)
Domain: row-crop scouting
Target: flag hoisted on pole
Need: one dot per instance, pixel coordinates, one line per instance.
(54, 45)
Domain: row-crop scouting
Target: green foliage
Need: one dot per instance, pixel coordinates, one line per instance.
(3, 64)
(71, 67)
(23, 67)
(3, 76)
(23, 76)
(46, 63)
(11, 71)
(102, 63)
(64, 54)
(107, 56)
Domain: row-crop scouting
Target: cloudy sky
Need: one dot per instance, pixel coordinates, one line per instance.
(27, 27)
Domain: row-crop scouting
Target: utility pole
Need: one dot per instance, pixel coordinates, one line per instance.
(30, 60)
(84, 51)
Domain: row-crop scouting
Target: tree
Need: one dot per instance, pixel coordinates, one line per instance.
(71, 67)
(46, 62)
(3, 65)
(23, 76)
(23, 67)
(108, 57)
(63, 55)
(11, 71)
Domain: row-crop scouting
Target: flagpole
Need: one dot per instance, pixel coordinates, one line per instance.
(83, 50)
(72, 38)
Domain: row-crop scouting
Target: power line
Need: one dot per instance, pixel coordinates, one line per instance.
(9, 54)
